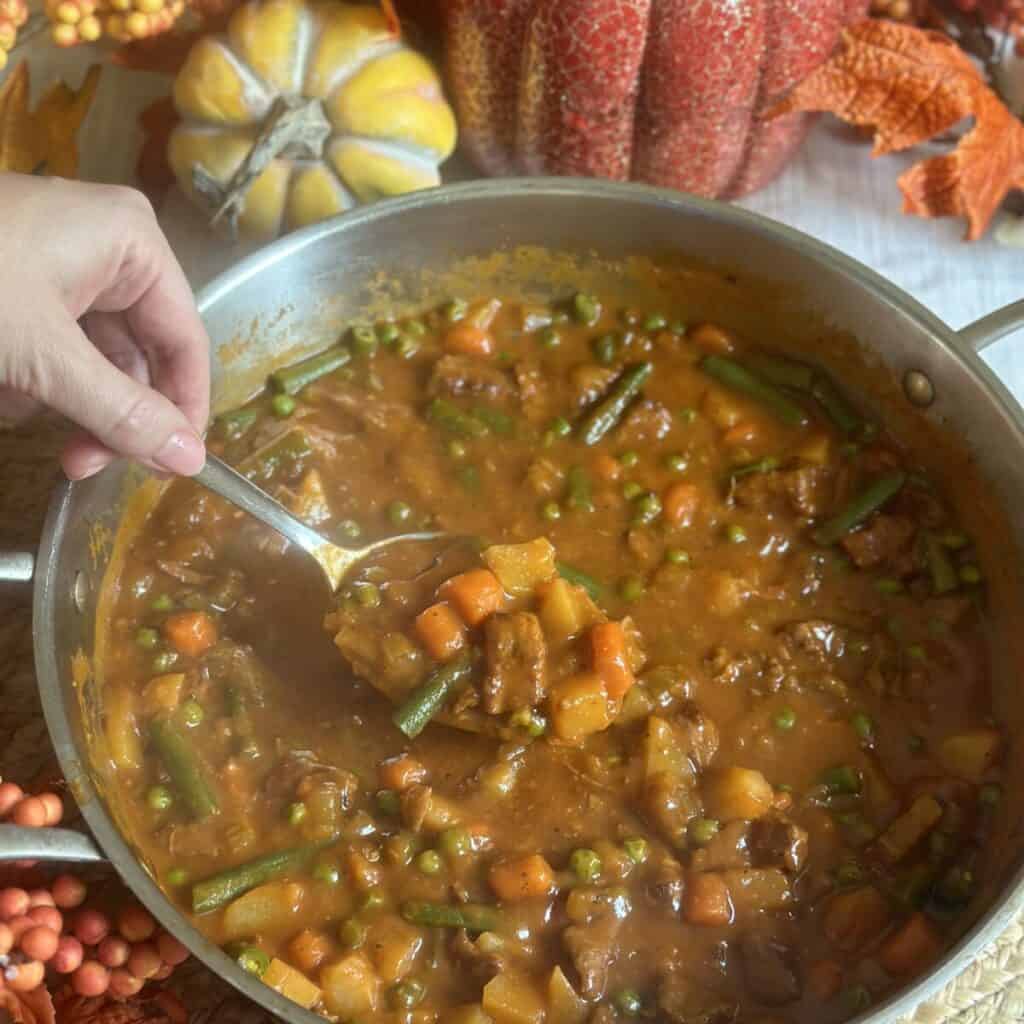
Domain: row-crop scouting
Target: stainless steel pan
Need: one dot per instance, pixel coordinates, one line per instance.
(290, 299)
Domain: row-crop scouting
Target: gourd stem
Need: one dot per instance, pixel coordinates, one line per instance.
(295, 126)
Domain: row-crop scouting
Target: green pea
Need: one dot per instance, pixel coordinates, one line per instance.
(785, 719)
(849, 450)
(297, 813)
(429, 862)
(856, 998)
(192, 713)
(916, 744)
(586, 309)
(327, 873)
(415, 328)
(457, 449)
(147, 638)
(165, 661)
(550, 338)
(163, 603)
(560, 427)
(366, 594)
(637, 849)
(373, 899)
(678, 327)
(702, 830)
(585, 865)
(916, 651)
(408, 994)
(252, 960)
(389, 802)
(454, 310)
(632, 588)
(455, 843)
(159, 798)
(407, 346)
(990, 794)
(735, 533)
(352, 933)
(889, 586)
(177, 877)
(842, 778)
(628, 1001)
(551, 511)
(469, 478)
(970, 574)
(631, 490)
(677, 556)
(388, 333)
(399, 512)
(349, 529)
(655, 322)
(863, 726)
(686, 415)
(630, 317)
(647, 508)
(954, 539)
(676, 462)
(282, 406)
(532, 721)
(605, 349)
(628, 459)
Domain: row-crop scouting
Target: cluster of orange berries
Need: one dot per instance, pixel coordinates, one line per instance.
(13, 14)
(85, 21)
(48, 932)
(1003, 15)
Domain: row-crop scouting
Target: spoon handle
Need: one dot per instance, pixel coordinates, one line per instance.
(220, 478)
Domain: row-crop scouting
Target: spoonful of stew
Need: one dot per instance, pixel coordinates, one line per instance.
(335, 562)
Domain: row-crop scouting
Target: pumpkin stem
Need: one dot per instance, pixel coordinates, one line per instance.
(295, 127)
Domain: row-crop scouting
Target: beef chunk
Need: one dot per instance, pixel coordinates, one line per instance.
(645, 422)
(481, 957)
(804, 490)
(700, 735)
(881, 541)
(516, 663)
(777, 842)
(768, 970)
(464, 375)
(592, 948)
(729, 849)
(683, 1000)
(816, 640)
(667, 885)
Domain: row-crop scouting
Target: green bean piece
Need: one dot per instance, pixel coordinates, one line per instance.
(628, 1001)
(233, 425)
(765, 465)
(578, 578)
(292, 379)
(780, 371)
(250, 958)
(637, 849)
(585, 864)
(632, 588)
(586, 309)
(842, 778)
(579, 496)
(551, 511)
(364, 340)
(605, 416)
(289, 449)
(836, 407)
(785, 719)
(737, 378)
(870, 500)
(500, 422)
(605, 349)
(184, 768)
(474, 917)
(159, 798)
(702, 830)
(220, 889)
(450, 417)
(940, 565)
(413, 716)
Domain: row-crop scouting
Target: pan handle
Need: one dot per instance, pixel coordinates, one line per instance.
(983, 332)
(17, 566)
(48, 844)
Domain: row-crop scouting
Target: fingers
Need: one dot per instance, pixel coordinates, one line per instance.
(83, 456)
(15, 407)
(62, 369)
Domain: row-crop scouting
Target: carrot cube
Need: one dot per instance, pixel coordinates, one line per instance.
(522, 879)
(707, 899)
(609, 660)
(441, 631)
(680, 502)
(476, 594)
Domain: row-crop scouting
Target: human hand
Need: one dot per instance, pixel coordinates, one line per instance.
(98, 322)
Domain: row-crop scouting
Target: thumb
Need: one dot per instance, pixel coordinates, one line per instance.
(67, 373)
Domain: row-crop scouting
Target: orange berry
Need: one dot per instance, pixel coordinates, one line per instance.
(68, 891)
(10, 794)
(51, 917)
(137, 25)
(27, 976)
(144, 961)
(135, 924)
(40, 898)
(69, 955)
(39, 943)
(64, 35)
(91, 979)
(54, 807)
(6, 939)
(124, 984)
(171, 950)
(90, 29)
(113, 951)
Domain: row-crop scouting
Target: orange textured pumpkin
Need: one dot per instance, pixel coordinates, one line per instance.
(662, 91)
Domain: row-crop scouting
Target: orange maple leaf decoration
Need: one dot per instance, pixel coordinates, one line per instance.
(910, 85)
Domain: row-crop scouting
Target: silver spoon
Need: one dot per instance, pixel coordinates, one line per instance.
(335, 562)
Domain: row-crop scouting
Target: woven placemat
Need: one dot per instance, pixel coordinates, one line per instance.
(990, 991)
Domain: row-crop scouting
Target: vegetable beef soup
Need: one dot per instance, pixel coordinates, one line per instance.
(688, 719)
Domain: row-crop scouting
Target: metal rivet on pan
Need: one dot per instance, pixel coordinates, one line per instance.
(918, 388)
(80, 590)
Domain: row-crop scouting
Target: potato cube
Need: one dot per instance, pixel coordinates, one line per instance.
(393, 946)
(738, 793)
(273, 907)
(566, 610)
(564, 1004)
(753, 890)
(521, 568)
(512, 998)
(854, 918)
(292, 984)
(351, 987)
(579, 707)
(706, 900)
(969, 755)
(163, 693)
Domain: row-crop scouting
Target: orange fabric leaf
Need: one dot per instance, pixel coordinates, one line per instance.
(152, 169)
(387, 8)
(910, 85)
(34, 1007)
(43, 141)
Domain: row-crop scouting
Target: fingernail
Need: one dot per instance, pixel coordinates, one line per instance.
(86, 466)
(182, 453)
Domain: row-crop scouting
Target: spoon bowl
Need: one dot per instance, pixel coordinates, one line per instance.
(335, 562)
